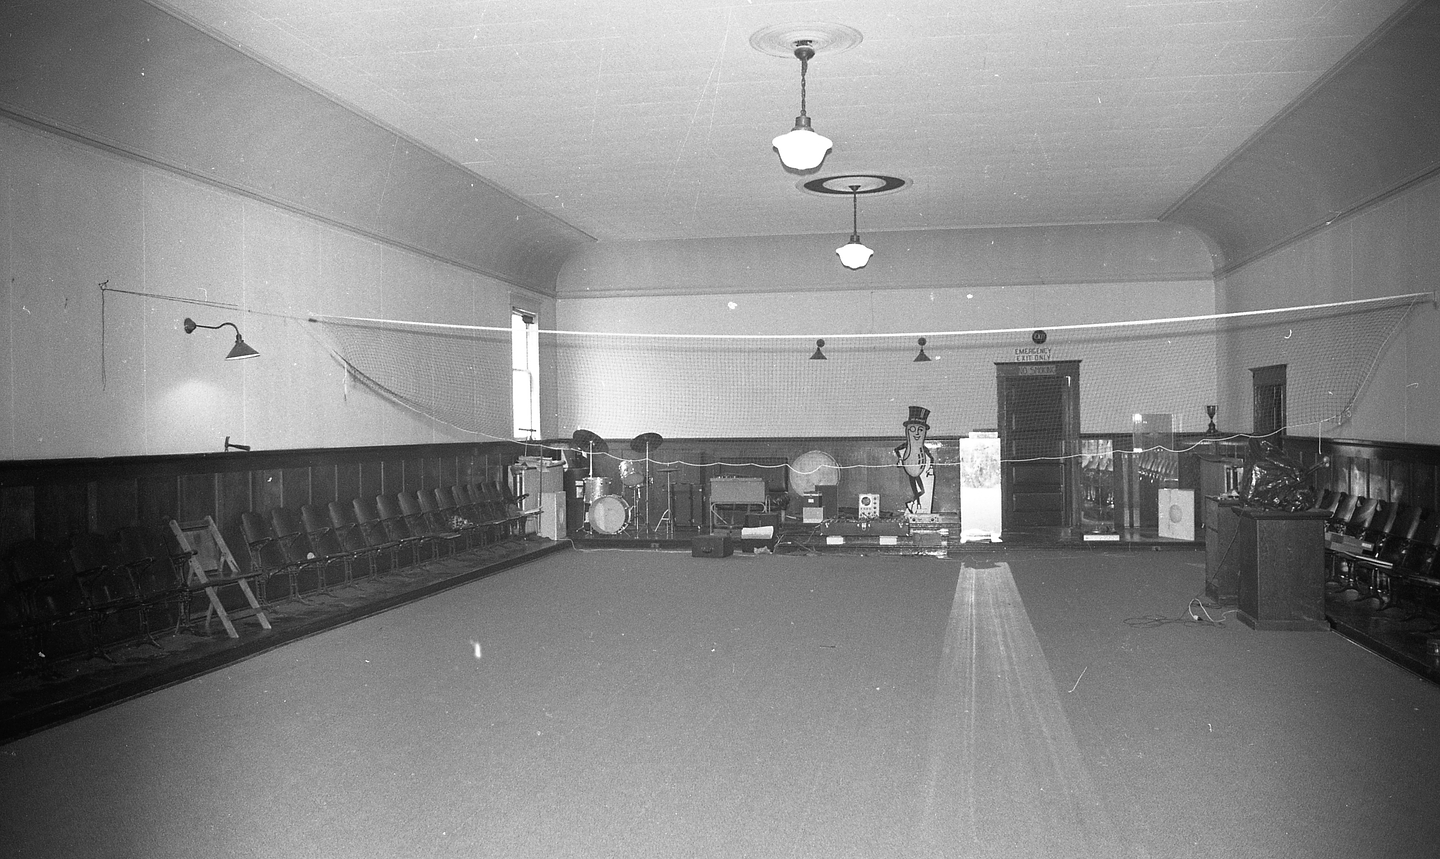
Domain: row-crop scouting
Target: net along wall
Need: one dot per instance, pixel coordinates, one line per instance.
(619, 385)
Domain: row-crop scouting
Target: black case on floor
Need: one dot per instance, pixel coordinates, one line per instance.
(712, 546)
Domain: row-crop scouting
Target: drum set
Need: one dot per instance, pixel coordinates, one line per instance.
(614, 505)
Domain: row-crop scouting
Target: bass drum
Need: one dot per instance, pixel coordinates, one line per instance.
(608, 515)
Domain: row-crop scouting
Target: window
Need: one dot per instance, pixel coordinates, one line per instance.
(525, 372)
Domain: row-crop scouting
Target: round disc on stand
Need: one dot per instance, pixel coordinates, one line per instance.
(589, 441)
(646, 442)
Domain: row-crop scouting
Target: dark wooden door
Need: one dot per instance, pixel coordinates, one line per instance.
(1039, 440)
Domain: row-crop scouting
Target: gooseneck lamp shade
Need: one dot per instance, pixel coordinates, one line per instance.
(238, 352)
(854, 255)
(801, 148)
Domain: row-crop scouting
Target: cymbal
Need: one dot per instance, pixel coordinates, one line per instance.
(587, 440)
(645, 441)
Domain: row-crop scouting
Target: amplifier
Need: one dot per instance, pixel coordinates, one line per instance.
(737, 490)
(812, 508)
(830, 495)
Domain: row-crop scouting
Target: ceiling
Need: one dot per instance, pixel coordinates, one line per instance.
(652, 119)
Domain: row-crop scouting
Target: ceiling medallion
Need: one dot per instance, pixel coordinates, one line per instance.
(853, 183)
(779, 40)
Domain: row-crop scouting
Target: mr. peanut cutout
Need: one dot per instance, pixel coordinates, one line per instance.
(917, 463)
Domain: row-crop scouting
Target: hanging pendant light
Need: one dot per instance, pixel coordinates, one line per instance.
(854, 254)
(801, 148)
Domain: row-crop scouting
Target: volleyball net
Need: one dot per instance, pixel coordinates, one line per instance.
(619, 385)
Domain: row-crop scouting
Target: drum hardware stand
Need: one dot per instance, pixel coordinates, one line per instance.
(589, 440)
(668, 517)
(645, 443)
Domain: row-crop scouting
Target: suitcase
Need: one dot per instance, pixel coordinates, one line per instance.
(711, 546)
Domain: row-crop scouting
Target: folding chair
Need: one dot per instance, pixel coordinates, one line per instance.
(355, 537)
(1411, 567)
(57, 619)
(398, 529)
(209, 566)
(470, 517)
(379, 531)
(18, 647)
(159, 576)
(508, 502)
(424, 523)
(117, 610)
(326, 542)
(300, 553)
(448, 519)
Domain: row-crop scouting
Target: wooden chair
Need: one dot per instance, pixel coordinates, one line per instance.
(209, 566)
(381, 531)
(159, 576)
(326, 542)
(398, 528)
(355, 536)
(426, 524)
(117, 609)
(57, 620)
(299, 552)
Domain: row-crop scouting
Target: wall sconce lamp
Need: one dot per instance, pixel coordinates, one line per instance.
(801, 148)
(239, 351)
(854, 255)
(818, 356)
(922, 357)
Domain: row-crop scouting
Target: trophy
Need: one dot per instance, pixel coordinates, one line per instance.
(1211, 431)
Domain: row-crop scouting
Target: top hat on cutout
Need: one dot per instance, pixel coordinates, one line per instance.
(918, 415)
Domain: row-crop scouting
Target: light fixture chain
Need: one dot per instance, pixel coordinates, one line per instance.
(804, 64)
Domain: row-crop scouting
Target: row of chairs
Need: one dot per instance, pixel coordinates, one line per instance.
(1380, 553)
(100, 591)
(97, 592)
(393, 531)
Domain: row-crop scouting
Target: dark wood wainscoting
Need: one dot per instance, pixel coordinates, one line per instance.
(53, 499)
(1393, 471)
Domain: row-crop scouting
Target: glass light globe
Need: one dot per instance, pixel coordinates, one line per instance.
(854, 255)
(802, 149)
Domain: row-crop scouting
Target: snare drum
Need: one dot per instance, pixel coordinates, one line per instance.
(608, 515)
(596, 487)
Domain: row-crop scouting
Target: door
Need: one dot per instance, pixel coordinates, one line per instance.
(1268, 405)
(1039, 408)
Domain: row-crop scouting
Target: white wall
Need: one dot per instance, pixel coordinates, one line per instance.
(72, 216)
(922, 284)
(1387, 249)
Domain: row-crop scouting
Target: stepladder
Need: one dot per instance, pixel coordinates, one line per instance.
(209, 567)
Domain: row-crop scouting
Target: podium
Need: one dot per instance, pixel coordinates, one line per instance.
(1281, 560)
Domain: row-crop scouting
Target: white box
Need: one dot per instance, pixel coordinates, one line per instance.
(1176, 512)
(552, 516)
